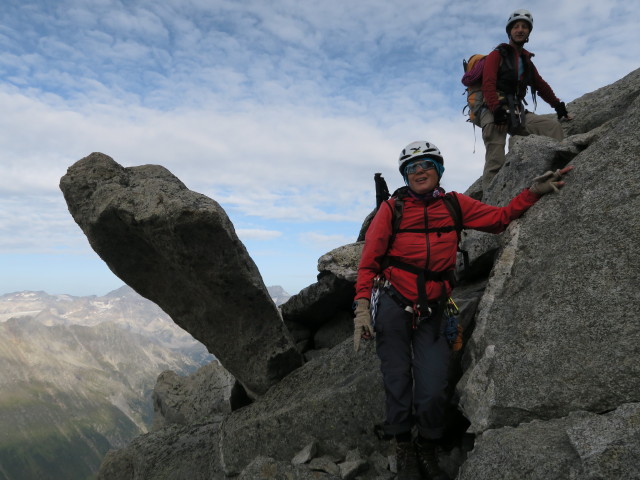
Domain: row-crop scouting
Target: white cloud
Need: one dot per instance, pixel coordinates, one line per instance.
(257, 234)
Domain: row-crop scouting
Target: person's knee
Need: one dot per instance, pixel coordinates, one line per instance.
(547, 127)
(557, 132)
(491, 135)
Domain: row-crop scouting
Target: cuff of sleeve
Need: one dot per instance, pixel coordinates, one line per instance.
(531, 195)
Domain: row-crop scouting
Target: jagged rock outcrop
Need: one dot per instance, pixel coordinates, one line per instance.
(582, 445)
(335, 399)
(320, 316)
(603, 107)
(564, 269)
(550, 379)
(555, 338)
(202, 396)
(179, 249)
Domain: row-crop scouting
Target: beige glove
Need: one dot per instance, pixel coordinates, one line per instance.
(549, 182)
(362, 326)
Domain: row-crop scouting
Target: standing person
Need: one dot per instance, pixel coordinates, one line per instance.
(508, 72)
(410, 270)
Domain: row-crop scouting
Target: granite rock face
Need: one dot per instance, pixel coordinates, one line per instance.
(179, 249)
(602, 107)
(554, 329)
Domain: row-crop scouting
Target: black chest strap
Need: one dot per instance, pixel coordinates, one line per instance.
(422, 275)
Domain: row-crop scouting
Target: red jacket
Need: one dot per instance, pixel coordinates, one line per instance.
(436, 252)
(490, 78)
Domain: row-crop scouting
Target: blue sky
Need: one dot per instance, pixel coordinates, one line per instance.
(281, 111)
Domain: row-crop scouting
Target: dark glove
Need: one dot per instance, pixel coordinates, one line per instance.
(561, 110)
(549, 182)
(363, 327)
(500, 116)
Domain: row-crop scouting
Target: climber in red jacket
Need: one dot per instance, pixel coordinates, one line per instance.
(410, 272)
(507, 75)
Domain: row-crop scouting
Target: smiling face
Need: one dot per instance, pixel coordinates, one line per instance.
(424, 178)
(519, 32)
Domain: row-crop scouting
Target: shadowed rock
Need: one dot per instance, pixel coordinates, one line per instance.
(179, 249)
(174, 452)
(320, 316)
(582, 445)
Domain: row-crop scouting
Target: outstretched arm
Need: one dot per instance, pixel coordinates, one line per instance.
(488, 218)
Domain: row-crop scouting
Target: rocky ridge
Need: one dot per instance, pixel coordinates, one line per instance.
(548, 384)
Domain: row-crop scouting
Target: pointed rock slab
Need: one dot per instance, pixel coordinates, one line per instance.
(179, 249)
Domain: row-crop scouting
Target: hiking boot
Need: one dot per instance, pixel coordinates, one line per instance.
(428, 461)
(407, 462)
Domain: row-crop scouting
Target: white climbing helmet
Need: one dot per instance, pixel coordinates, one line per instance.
(417, 150)
(520, 15)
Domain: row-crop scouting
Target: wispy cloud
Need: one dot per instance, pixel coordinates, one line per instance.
(281, 111)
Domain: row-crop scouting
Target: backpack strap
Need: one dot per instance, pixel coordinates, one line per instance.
(453, 204)
(396, 217)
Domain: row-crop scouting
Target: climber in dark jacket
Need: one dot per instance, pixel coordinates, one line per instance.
(414, 353)
(507, 74)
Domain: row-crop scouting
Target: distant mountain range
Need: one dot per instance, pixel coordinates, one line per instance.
(76, 375)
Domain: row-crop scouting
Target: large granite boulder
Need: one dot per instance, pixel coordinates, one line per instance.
(179, 249)
(528, 157)
(564, 288)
